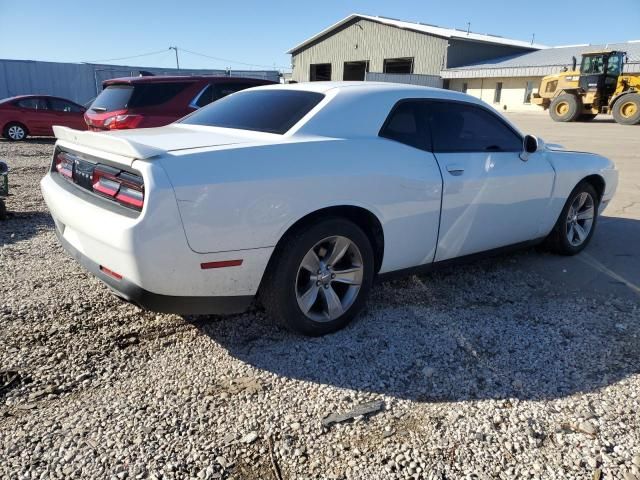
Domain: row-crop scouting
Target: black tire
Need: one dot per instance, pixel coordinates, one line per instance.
(11, 132)
(626, 110)
(565, 108)
(558, 241)
(281, 285)
(587, 117)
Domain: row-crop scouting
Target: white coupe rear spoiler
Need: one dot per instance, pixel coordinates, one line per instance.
(106, 142)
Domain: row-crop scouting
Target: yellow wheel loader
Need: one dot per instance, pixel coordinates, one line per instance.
(600, 86)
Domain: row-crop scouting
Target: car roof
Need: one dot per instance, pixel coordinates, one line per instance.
(181, 78)
(359, 109)
(22, 97)
(363, 88)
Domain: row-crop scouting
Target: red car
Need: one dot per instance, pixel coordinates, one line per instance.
(36, 114)
(139, 102)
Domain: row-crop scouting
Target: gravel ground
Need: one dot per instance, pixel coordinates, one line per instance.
(483, 371)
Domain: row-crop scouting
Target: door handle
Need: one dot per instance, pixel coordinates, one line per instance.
(455, 170)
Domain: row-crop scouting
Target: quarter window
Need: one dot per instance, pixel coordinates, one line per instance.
(407, 124)
(462, 127)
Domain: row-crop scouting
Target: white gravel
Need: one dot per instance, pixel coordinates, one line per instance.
(485, 371)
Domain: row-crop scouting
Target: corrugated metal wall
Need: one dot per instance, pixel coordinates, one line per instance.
(412, 79)
(366, 40)
(81, 82)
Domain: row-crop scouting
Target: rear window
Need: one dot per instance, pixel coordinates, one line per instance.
(120, 97)
(271, 111)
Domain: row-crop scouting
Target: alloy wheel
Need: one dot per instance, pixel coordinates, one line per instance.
(580, 219)
(16, 132)
(329, 279)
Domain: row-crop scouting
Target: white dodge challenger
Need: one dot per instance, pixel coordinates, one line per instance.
(302, 194)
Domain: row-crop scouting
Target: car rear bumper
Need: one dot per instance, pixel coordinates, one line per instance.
(153, 264)
(152, 301)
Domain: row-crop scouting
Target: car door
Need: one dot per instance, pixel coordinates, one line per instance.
(67, 114)
(36, 115)
(491, 197)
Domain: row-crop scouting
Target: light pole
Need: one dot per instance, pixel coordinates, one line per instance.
(177, 62)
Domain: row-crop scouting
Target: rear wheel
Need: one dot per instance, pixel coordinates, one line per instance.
(626, 110)
(15, 132)
(577, 221)
(320, 277)
(565, 108)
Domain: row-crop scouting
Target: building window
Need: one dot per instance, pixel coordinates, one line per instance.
(398, 65)
(320, 72)
(465, 85)
(528, 91)
(355, 70)
(497, 95)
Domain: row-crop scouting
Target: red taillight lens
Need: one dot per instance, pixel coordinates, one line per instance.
(64, 165)
(121, 122)
(124, 187)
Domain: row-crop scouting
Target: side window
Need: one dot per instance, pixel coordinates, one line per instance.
(62, 106)
(33, 103)
(406, 124)
(461, 127)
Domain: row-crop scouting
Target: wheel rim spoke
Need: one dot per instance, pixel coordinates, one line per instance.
(351, 276)
(340, 247)
(586, 214)
(311, 262)
(309, 298)
(582, 234)
(332, 302)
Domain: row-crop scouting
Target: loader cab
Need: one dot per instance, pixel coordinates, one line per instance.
(599, 72)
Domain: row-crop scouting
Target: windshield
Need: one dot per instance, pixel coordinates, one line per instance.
(271, 111)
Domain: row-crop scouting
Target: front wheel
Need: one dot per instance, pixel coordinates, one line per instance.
(565, 108)
(320, 277)
(577, 221)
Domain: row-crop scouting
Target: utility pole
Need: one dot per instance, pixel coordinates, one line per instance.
(533, 38)
(468, 28)
(177, 62)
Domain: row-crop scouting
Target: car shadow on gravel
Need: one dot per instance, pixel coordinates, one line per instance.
(488, 330)
(21, 226)
(31, 141)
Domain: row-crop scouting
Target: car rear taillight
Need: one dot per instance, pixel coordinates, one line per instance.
(123, 187)
(121, 122)
(64, 165)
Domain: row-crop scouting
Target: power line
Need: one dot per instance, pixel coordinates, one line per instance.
(126, 58)
(228, 60)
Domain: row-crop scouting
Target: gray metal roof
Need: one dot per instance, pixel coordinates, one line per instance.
(541, 62)
(422, 28)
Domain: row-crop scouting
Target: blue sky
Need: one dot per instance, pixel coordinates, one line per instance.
(260, 32)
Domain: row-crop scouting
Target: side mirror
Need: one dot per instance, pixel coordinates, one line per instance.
(530, 145)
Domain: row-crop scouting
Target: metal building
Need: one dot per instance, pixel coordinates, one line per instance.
(359, 44)
(507, 83)
(82, 82)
